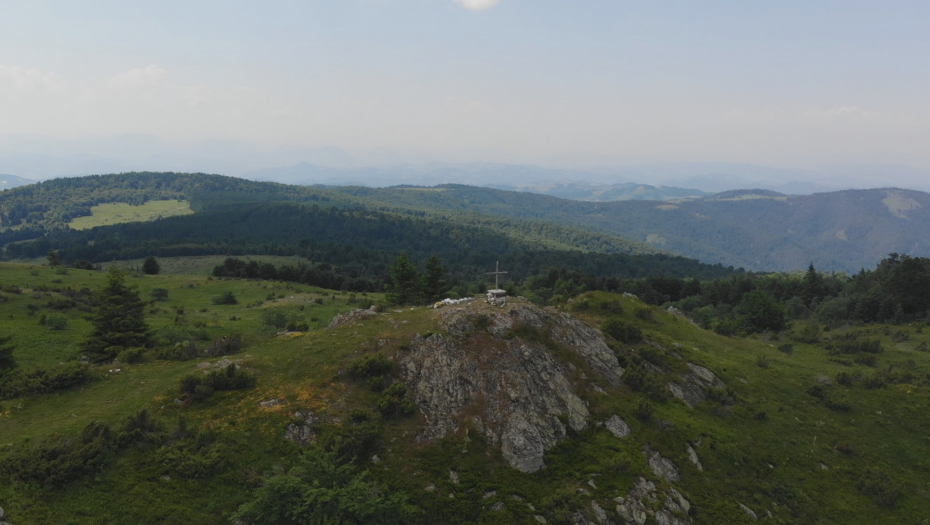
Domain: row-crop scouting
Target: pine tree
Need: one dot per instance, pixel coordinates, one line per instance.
(52, 258)
(151, 266)
(119, 321)
(405, 280)
(7, 363)
(434, 282)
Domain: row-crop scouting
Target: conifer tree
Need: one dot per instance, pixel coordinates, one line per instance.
(7, 363)
(119, 321)
(405, 282)
(151, 266)
(434, 282)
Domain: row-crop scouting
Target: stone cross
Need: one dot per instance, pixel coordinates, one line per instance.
(496, 273)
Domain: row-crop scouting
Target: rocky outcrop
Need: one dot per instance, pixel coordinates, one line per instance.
(693, 386)
(350, 317)
(515, 393)
(617, 427)
(498, 371)
(302, 431)
(662, 466)
(693, 457)
(644, 500)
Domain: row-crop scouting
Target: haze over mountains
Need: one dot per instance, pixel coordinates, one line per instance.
(38, 158)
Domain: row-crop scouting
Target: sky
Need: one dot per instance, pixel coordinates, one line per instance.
(548, 82)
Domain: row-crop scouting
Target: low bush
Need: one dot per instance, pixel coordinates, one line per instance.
(42, 380)
(879, 487)
(198, 387)
(159, 294)
(226, 345)
(131, 355)
(56, 461)
(369, 366)
(394, 401)
(623, 332)
(225, 298)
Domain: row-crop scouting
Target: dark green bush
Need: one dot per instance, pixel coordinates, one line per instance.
(140, 430)
(394, 401)
(159, 294)
(200, 387)
(131, 355)
(880, 488)
(641, 380)
(225, 298)
(612, 307)
(786, 348)
(623, 332)
(371, 365)
(39, 381)
(56, 461)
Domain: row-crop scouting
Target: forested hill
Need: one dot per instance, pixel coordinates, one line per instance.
(755, 229)
(28, 213)
(363, 243)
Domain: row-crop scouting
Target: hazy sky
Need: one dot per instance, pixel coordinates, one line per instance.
(792, 83)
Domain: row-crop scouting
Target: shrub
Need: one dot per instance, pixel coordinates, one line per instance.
(274, 317)
(140, 430)
(159, 294)
(200, 387)
(226, 345)
(54, 462)
(786, 348)
(56, 321)
(370, 366)
(131, 355)
(646, 314)
(762, 361)
(225, 298)
(640, 380)
(644, 410)
(394, 401)
(879, 487)
(39, 381)
(322, 488)
(867, 360)
(195, 457)
(623, 332)
(612, 307)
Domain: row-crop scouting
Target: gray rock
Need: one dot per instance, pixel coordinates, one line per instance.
(617, 427)
(599, 513)
(749, 512)
(302, 431)
(661, 466)
(692, 455)
(692, 388)
(376, 459)
(350, 317)
(519, 387)
(539, 519)
(642, 501)
(498, 506)
(454, 477)
(1, 512)
(271, 403)
(489, 494)
(430, 488)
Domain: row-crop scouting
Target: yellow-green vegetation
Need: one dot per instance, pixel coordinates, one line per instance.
(785, 435)
(118, 212)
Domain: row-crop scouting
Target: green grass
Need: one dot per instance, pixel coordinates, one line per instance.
(118, 212)
(885, 429)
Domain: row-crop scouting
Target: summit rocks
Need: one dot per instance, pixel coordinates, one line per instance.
(497, 370)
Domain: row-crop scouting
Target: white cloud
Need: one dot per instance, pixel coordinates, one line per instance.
(137, 77)
(477, 5)
(28, 79)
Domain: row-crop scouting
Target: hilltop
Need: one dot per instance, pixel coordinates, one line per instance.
(604, 409)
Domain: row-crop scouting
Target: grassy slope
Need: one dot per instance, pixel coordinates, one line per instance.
(117, 212)
(886, 428)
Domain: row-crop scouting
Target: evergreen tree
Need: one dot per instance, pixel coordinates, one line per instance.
(52, 258)
(119, 321)
(405, 281)
(814, 287)
(151, 266)
(434, 282)
(7, 363)
(759, 311)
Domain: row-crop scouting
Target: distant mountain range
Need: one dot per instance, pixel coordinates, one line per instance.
(12, 181)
